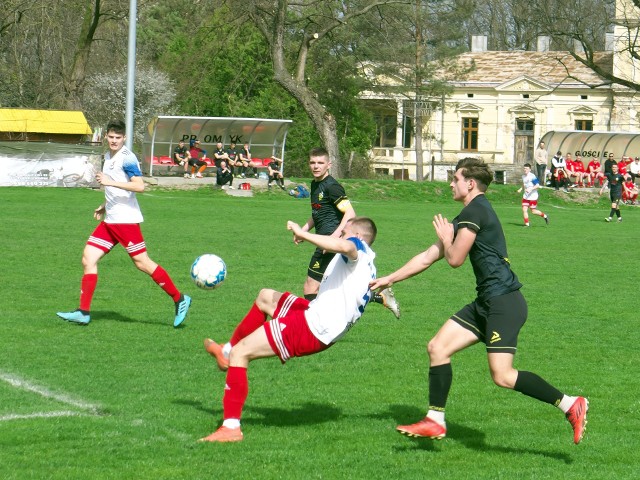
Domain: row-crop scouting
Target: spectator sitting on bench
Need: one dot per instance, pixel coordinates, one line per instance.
(181, 157)
(234, 157)
(245, 159)
(196, 160)
(559, 177)
(273, 170)
(224, 176)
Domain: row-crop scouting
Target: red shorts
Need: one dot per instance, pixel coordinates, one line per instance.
(529, 203)
(108, 235)
(288, 333)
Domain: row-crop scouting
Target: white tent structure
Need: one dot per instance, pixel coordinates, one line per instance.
(265, 136)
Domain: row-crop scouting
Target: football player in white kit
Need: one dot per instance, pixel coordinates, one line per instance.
(122, 179)
(530, 185)
(298, 327)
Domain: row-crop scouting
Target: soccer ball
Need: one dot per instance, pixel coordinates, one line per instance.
(208, 271)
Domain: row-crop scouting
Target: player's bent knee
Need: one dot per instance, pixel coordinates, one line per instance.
(435, 351)
(504, 379)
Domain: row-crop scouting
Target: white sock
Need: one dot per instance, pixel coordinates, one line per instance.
(437, 417)
(231, 423)
(566, 403)
(226, 350)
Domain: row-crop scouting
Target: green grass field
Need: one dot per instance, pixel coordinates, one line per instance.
(128, 396)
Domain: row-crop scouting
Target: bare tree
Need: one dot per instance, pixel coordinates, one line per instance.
(292, 29)
(580, 27)
(47, 48)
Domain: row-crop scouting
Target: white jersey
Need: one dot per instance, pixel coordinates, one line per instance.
(343, 295)
(121, 205)
(529, 181)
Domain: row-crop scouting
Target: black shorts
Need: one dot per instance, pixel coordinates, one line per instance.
(194, 162)
(319, 263)
(496, 322)
(615, 197)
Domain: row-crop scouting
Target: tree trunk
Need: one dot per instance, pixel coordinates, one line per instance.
(74, 83)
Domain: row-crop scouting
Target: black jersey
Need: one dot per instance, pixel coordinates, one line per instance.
(232, 152)
(328, 202)
(488, 254)
(615, 184)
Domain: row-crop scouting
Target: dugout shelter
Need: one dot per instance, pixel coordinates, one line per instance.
(592, 144)
(265, 137)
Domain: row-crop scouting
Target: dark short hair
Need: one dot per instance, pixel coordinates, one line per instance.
(527, 165)
(476, 169)
(559, 153)
(318, 152)
(117, 126)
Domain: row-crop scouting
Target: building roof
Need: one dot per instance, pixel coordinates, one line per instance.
(552, 68)
(19, 120)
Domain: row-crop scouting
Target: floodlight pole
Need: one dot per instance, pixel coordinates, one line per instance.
(131, 71)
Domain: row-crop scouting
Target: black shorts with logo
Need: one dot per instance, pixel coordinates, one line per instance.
(496, 322)
(319, 263)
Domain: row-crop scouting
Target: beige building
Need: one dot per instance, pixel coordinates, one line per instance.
(504, 105)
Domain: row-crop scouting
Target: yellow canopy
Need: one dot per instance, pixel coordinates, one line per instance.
(19, 120)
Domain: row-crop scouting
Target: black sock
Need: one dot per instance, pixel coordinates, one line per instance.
(612, 212)
(534, 386)
(440, 379)
(310, 296)
(618, 213)
(377, 298)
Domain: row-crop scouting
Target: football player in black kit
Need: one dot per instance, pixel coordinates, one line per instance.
(330, 212)
(494, 318)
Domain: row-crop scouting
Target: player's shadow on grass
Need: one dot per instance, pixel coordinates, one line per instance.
(305, 414)
(456, 432)
(118, 317)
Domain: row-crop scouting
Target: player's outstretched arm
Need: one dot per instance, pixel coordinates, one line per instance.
(416, 265)
(331, 244)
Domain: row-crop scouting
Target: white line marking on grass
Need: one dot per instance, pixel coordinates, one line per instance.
(61, 413)
(22, 384)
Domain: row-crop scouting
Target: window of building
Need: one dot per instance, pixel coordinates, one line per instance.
(407, 131)
(386, 130)
(584, 97)
(525, 95)
(584, 124)
(470, 134)
(524, 125)
(469, 95)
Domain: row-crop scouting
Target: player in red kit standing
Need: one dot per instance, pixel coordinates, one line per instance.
(122, 179)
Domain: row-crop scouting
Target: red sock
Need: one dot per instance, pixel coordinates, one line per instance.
(541, 214)
(249, 324)
(87, 287)
(162, 278)
(236, 390)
